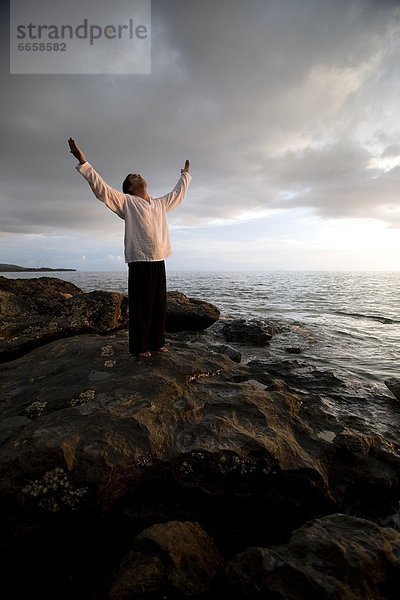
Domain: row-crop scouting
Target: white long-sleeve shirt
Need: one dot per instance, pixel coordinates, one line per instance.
(147, 235)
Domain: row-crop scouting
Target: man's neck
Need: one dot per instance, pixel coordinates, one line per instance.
(144, 196)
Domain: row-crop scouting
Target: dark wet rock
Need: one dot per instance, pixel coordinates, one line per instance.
(233, 354)
(96, 446)
(392, 520)
(336, 556)
(246, 332)
(36, 289)
(358, 430)
(36, 311)
(171, 559)
(189, 314)
(293, 350)
(299, 375)
(393, 384)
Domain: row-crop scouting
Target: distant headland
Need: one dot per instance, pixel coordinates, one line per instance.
(13, 268)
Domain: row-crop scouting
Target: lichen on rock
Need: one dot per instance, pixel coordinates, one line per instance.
(54, 491)
(83, 398)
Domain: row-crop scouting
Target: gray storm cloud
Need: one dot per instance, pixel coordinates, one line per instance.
(278, 104)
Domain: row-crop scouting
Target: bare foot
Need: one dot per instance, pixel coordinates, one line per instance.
(163, 349)
(147, 353)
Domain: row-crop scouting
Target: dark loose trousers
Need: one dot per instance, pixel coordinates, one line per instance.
(147, 294)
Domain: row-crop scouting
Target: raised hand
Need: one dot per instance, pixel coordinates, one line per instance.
(76, 151)
(186, 169)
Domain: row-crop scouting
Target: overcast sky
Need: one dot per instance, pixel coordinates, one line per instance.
(289, 111)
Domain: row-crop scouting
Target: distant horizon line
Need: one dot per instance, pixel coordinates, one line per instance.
(224, 270)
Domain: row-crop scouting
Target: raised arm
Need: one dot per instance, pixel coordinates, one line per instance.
(114, 199)
(175, 197)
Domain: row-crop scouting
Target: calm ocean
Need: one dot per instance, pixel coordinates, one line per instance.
(348, 321)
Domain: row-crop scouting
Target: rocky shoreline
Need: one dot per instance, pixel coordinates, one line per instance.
(191, 474)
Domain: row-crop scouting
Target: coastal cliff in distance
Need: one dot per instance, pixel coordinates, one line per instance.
(13, 268)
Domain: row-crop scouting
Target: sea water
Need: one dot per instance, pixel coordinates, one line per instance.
(348, 321)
